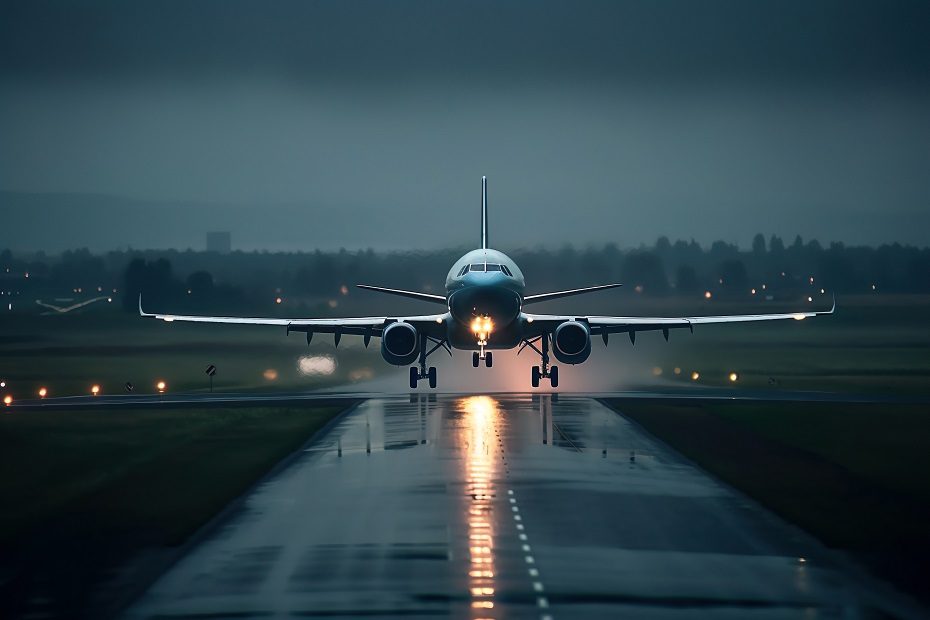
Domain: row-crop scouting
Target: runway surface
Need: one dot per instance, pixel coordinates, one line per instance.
(503, 506)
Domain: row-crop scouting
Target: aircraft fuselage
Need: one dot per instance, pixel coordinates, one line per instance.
(485, 284)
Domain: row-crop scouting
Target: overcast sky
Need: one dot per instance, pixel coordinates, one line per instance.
(299, 125)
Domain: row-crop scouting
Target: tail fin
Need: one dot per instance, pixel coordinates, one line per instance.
(484, 213)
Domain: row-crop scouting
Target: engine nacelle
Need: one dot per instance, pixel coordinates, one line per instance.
(399, 344)
(571, 342)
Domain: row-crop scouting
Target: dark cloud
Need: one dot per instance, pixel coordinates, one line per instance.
(611, 40)
(369, 123)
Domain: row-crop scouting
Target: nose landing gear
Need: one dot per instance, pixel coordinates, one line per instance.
(476, 358)
(544, 371)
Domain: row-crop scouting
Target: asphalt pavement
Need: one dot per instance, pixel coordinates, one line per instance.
(504, 506)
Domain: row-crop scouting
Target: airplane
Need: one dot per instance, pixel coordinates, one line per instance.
(484, 311)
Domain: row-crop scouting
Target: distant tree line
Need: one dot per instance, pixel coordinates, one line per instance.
(246, 280)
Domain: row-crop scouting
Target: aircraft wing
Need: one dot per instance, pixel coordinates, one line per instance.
(431, 324)
(533, 299)
(614, 324)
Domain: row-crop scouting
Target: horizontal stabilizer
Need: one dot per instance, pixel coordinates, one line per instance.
(436, 299)
(535, 299)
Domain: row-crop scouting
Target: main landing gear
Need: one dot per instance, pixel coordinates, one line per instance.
(422, 372)
(488, 359)
(544, 371)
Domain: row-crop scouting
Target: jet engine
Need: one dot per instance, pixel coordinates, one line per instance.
(571, 342)
(399, 344)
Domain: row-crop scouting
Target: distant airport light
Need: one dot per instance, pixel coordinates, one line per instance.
(95, 389)
(763, 287)
(873, 287)
(822, 291)
(2, 384)
(802, 560)
(695, 375)
(344, 289)
(278, 300)
(753, 291)
(43, 392)
(812, 279)
(707, 295)
(109, 300)
(189, 291)
(638, 288)
(734, 377)
(657, 371)
(161, 386)
(809, 298)
(7, 400)
(677, 370)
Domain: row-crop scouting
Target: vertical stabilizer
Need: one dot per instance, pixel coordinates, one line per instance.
(484, 213)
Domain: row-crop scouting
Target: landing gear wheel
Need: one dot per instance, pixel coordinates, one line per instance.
(488, 360)
(431, 375)
(414, 377)
(554, 376)
(534, 376)
(475, 359)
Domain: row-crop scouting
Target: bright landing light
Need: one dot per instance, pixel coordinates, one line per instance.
(482, 326)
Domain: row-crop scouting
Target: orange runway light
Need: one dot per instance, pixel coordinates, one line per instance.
(734, 377)
(161, 386)
(95, 389)
(695, 375)
(707, 295)
(42, 392)
(7, 400)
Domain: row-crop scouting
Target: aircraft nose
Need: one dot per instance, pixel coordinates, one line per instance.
(485, 299)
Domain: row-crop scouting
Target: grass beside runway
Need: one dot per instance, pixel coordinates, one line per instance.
(856, 476)
(83, 492)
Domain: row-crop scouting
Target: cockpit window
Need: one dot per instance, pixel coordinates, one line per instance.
(493, 267)
(506, 271)
(463, 271)
(476, 267)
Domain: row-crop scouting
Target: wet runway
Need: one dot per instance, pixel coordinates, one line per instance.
(503, 506)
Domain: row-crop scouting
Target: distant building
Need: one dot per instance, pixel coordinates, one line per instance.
(219, 242)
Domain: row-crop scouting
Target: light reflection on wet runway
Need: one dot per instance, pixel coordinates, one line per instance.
(504, 506)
